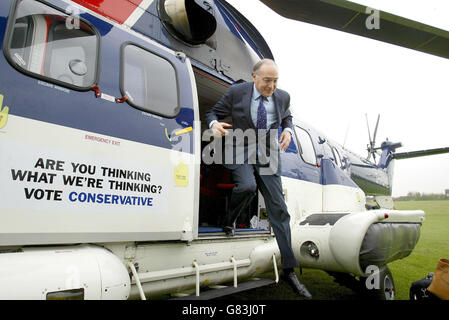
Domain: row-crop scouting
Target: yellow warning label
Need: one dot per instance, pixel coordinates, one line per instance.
(182, 175)
(3, 113)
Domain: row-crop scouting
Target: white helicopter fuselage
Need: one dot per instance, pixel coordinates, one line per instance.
(102, 195)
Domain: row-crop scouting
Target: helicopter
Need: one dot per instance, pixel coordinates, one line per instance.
(105, 193)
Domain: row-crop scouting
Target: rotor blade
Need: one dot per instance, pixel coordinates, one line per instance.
(420, 153)
(369, 133)
(356, 18)
(375, 131)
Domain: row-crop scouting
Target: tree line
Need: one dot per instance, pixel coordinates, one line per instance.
(422, 196)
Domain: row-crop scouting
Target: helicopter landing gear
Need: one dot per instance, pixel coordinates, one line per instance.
(383, 288)
(379, 285)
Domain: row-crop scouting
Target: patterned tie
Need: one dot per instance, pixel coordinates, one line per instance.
(261, 114)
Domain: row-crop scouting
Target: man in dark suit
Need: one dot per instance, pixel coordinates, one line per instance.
(259, 107)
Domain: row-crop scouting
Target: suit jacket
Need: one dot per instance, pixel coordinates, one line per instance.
(236, 103)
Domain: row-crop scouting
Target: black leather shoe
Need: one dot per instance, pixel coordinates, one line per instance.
(292, 279)
(230, 231)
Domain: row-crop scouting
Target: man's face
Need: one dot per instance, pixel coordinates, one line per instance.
(266, 79)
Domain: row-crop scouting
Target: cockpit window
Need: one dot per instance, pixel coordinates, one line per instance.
(149, 81)
(52, 45)
(307, 151)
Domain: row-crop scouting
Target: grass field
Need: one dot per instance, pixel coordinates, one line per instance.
(432, 245)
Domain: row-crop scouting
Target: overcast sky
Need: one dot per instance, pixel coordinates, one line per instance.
(335, 78)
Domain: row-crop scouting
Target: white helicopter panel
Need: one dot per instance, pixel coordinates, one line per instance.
(90, 185)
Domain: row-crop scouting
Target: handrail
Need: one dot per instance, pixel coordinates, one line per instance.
(195, 270)
(275, 268)
(235, 271)
(136, 277)
(197, 285)
(190, 271)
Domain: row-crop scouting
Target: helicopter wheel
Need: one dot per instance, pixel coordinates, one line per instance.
(386, 290)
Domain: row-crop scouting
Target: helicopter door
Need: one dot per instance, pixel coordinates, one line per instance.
(161, 84)
(340, 193)
(112, 164)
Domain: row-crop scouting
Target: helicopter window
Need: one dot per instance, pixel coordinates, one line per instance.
(307, 151)
(149, 81)
(337, 157)
(51, 45)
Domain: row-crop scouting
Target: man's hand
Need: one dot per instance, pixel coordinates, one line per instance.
(219, 128)
(285, 139)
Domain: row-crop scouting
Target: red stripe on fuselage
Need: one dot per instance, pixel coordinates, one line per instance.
(117, 10)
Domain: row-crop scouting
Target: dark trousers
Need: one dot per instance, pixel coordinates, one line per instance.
(247, 178)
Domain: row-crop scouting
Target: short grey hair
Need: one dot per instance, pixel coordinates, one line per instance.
(261, 63)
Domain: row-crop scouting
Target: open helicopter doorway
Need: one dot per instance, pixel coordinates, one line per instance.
(216, 182)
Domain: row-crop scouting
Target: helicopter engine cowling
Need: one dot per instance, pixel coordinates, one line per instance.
(76, 272)
(188, 20)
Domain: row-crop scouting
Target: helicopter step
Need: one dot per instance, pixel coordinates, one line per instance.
(222, 291)
(214, 232)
